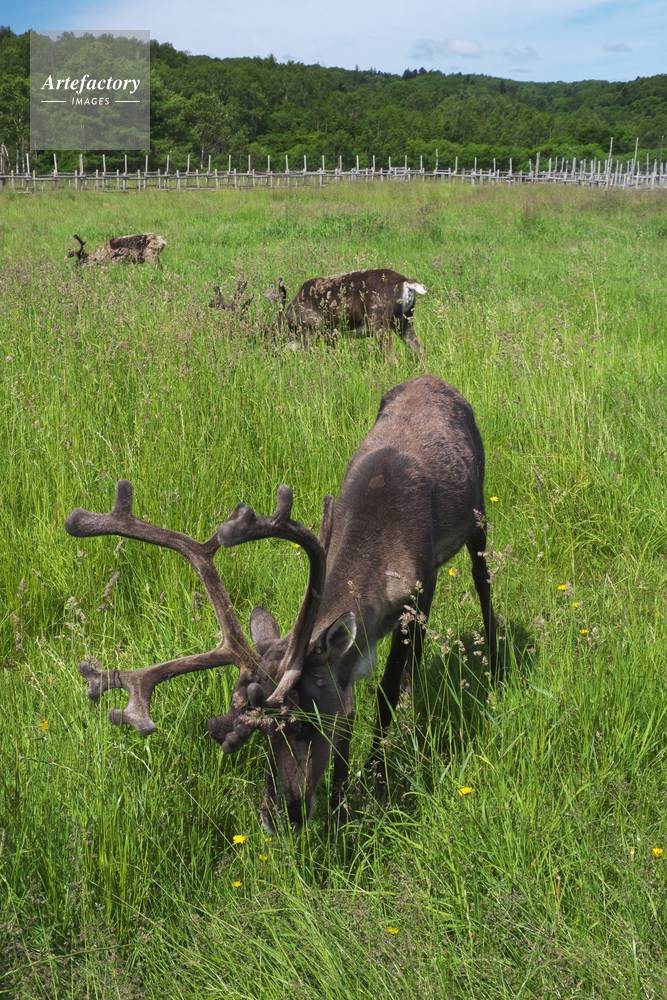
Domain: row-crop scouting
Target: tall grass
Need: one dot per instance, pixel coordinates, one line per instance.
(118, 870)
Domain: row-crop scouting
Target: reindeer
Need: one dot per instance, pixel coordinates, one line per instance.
(237, 304)
(363, 303)
(136, 249)
(410, 499)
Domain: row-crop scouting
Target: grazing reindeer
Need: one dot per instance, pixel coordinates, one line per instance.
(410, 499)
(362, 303)
(235, 304)
(136, 249)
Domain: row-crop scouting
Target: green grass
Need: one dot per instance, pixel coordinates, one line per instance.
(546, 308)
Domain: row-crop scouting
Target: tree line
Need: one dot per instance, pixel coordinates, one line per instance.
(205, 107)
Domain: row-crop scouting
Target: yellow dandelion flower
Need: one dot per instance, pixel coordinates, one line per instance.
(453, 572)
(45, 726)
(296, 545)
(263, 857)
(392, 930)
(657, 852)
(493, 499)
(563, 586)
(238, 838)
(237, 884)
(584, 631)
(267, 840)
(465, 791)
(576, 604)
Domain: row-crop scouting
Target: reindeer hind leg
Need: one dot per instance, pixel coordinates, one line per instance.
(476, 546)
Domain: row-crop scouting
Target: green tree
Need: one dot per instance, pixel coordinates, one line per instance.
(15, 116)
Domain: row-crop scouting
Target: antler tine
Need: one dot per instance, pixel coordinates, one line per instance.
(241, 286)
(233, 646)
(292, 663)
(82, 242)
(243, 526)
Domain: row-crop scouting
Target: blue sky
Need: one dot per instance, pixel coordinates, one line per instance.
(521, 40)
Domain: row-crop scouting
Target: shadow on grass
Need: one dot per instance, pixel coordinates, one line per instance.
(450, 693)
(440, 714)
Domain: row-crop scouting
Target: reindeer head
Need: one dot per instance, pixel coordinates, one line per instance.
(303, 726)
(293, 689)
(80, 254)
(278, 294)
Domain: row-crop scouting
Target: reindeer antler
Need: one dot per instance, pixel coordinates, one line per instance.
(233, 647)
(235, 304)
(243, 717)
(244, 525)
(218, 302)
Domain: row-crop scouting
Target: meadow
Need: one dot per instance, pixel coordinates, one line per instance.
(119, 874)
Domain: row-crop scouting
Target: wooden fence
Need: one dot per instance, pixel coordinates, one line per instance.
(607, 174)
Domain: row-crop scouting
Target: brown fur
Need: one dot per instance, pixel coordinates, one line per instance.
(375, 302)
(411, 497)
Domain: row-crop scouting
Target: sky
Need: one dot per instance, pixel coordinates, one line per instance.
(542, 40)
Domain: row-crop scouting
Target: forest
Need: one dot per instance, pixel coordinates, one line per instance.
(260, 108)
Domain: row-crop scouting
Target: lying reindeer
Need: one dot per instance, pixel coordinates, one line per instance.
(363, 303)
(136, 249)
(410, 499)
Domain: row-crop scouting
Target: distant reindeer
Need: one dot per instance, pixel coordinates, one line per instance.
(237, 304)
(376, 302)
(135, 249)
(411, 498)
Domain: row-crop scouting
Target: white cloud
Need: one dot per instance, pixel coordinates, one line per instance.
(461, 47)
(517, 54)
(547, 41)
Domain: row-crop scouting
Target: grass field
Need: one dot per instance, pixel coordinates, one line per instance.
(119, 877)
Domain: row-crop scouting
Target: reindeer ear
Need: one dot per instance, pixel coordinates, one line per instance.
(264, 629)
(339, 637)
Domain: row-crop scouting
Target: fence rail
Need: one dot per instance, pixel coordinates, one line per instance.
(596, 173)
